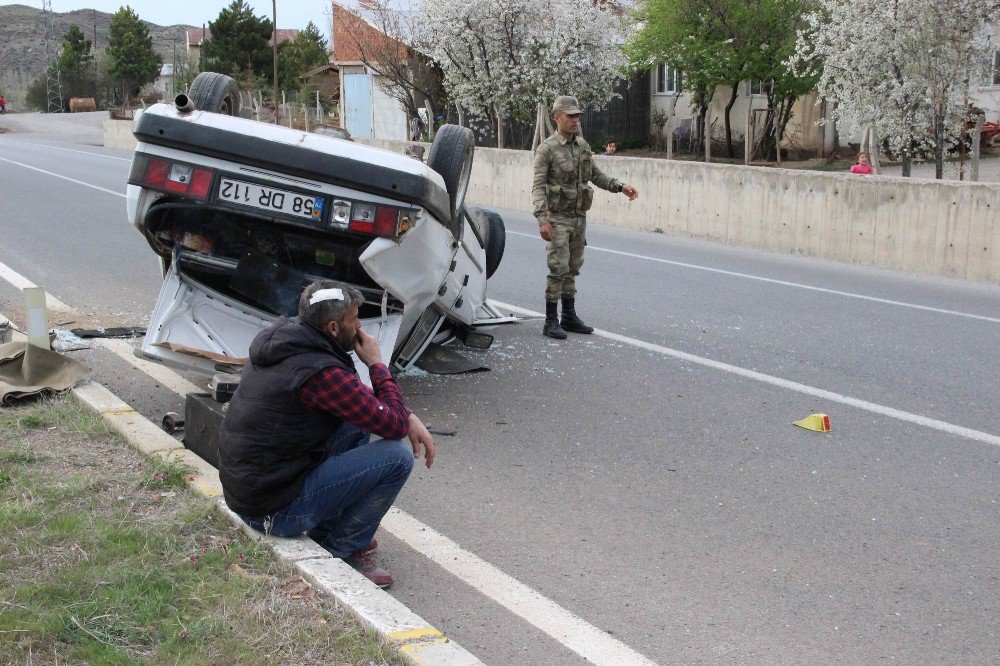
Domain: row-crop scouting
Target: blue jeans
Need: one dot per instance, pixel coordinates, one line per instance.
(346, 497)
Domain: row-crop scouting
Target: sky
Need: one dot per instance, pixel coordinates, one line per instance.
(294, 14)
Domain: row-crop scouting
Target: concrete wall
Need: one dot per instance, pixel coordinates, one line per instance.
(942, 228)
(118, 134)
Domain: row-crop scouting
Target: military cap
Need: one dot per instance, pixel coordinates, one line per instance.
(566, 104)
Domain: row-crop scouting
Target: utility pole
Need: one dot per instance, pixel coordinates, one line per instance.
(53, 81)
(173, 72)
(96, 92)
(274, 39)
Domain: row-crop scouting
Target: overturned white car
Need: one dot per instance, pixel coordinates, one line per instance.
(244, 214)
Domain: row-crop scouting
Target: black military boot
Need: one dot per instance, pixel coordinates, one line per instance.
(570, 322)
(551, 327)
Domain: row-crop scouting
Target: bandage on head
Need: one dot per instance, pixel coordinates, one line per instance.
(326, 295)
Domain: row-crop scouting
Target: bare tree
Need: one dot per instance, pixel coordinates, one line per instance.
(383, 38)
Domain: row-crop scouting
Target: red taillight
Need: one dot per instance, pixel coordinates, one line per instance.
(362, 226)
(386, 218)
(374, 220)
(201, 184)
(178, 178)
(156, 172)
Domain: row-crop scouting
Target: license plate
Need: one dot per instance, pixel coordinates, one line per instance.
(271, 199)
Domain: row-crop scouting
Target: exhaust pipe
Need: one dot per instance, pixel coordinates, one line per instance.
(183, 103)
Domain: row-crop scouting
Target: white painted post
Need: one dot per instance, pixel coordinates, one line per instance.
(873, 157)
(977, 133)
(777, 136)
(430, 119)
(748, 133)
(37, 317)
(319, 109)
(708, 142)
(536, 136)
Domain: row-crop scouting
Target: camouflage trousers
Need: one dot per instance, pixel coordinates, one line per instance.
(565, 256)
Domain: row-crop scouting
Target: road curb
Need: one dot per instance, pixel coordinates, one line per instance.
(417, 642)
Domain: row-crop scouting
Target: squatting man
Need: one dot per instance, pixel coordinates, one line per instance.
(561, 195)
(295, 451)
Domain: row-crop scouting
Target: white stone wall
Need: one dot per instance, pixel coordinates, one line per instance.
(932, 227)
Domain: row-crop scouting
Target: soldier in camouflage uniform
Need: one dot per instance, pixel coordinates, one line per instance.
(562, 195)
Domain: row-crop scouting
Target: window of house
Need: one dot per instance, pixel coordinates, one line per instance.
(758, 86)
(995, 73)
(668, 80)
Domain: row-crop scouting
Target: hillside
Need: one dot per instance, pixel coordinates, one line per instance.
(22, 40)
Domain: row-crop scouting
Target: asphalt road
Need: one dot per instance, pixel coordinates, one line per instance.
(665, 501)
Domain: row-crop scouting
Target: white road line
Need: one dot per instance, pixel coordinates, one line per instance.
(572, 631)
(72, 180)
(875, 408)
(70, 150)
(578, 635)
(20, 282)
(783, 283)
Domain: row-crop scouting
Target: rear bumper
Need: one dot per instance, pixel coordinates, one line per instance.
(249, 149)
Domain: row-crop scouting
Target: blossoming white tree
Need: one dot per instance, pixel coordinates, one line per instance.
(500, 59)
(902, 67)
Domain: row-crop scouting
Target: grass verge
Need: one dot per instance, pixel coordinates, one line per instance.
(107, 557)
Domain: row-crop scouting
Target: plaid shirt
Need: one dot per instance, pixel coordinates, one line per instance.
(338, 391)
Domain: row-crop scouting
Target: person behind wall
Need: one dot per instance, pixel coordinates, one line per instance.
(610, 148)
(295, 450)
(561, 196)
(3, 105)
(862, 167)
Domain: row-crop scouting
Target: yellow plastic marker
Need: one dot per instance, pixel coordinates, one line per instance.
(817, 422)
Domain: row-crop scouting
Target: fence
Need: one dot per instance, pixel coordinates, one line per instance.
(295, 110)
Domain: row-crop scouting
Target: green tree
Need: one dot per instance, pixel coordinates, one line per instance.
(681, 34)
(76, 62)
(296, 57)
(132, 60)
(724, 42)
(239, 43)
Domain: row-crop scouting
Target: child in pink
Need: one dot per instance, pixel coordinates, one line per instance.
(862, 167)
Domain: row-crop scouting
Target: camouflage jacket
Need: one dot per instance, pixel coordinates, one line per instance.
(563, 171)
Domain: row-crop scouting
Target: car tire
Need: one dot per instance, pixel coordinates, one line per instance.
(451, 156)
(496, 241)
(218, 93)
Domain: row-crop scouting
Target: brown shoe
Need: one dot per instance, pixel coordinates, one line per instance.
(371, 548)
(363, 563)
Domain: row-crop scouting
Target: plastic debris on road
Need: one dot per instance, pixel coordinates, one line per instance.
(817, 422)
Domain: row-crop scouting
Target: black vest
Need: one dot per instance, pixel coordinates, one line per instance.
(269, 441)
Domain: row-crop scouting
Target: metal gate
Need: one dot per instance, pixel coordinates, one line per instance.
(358, 105)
